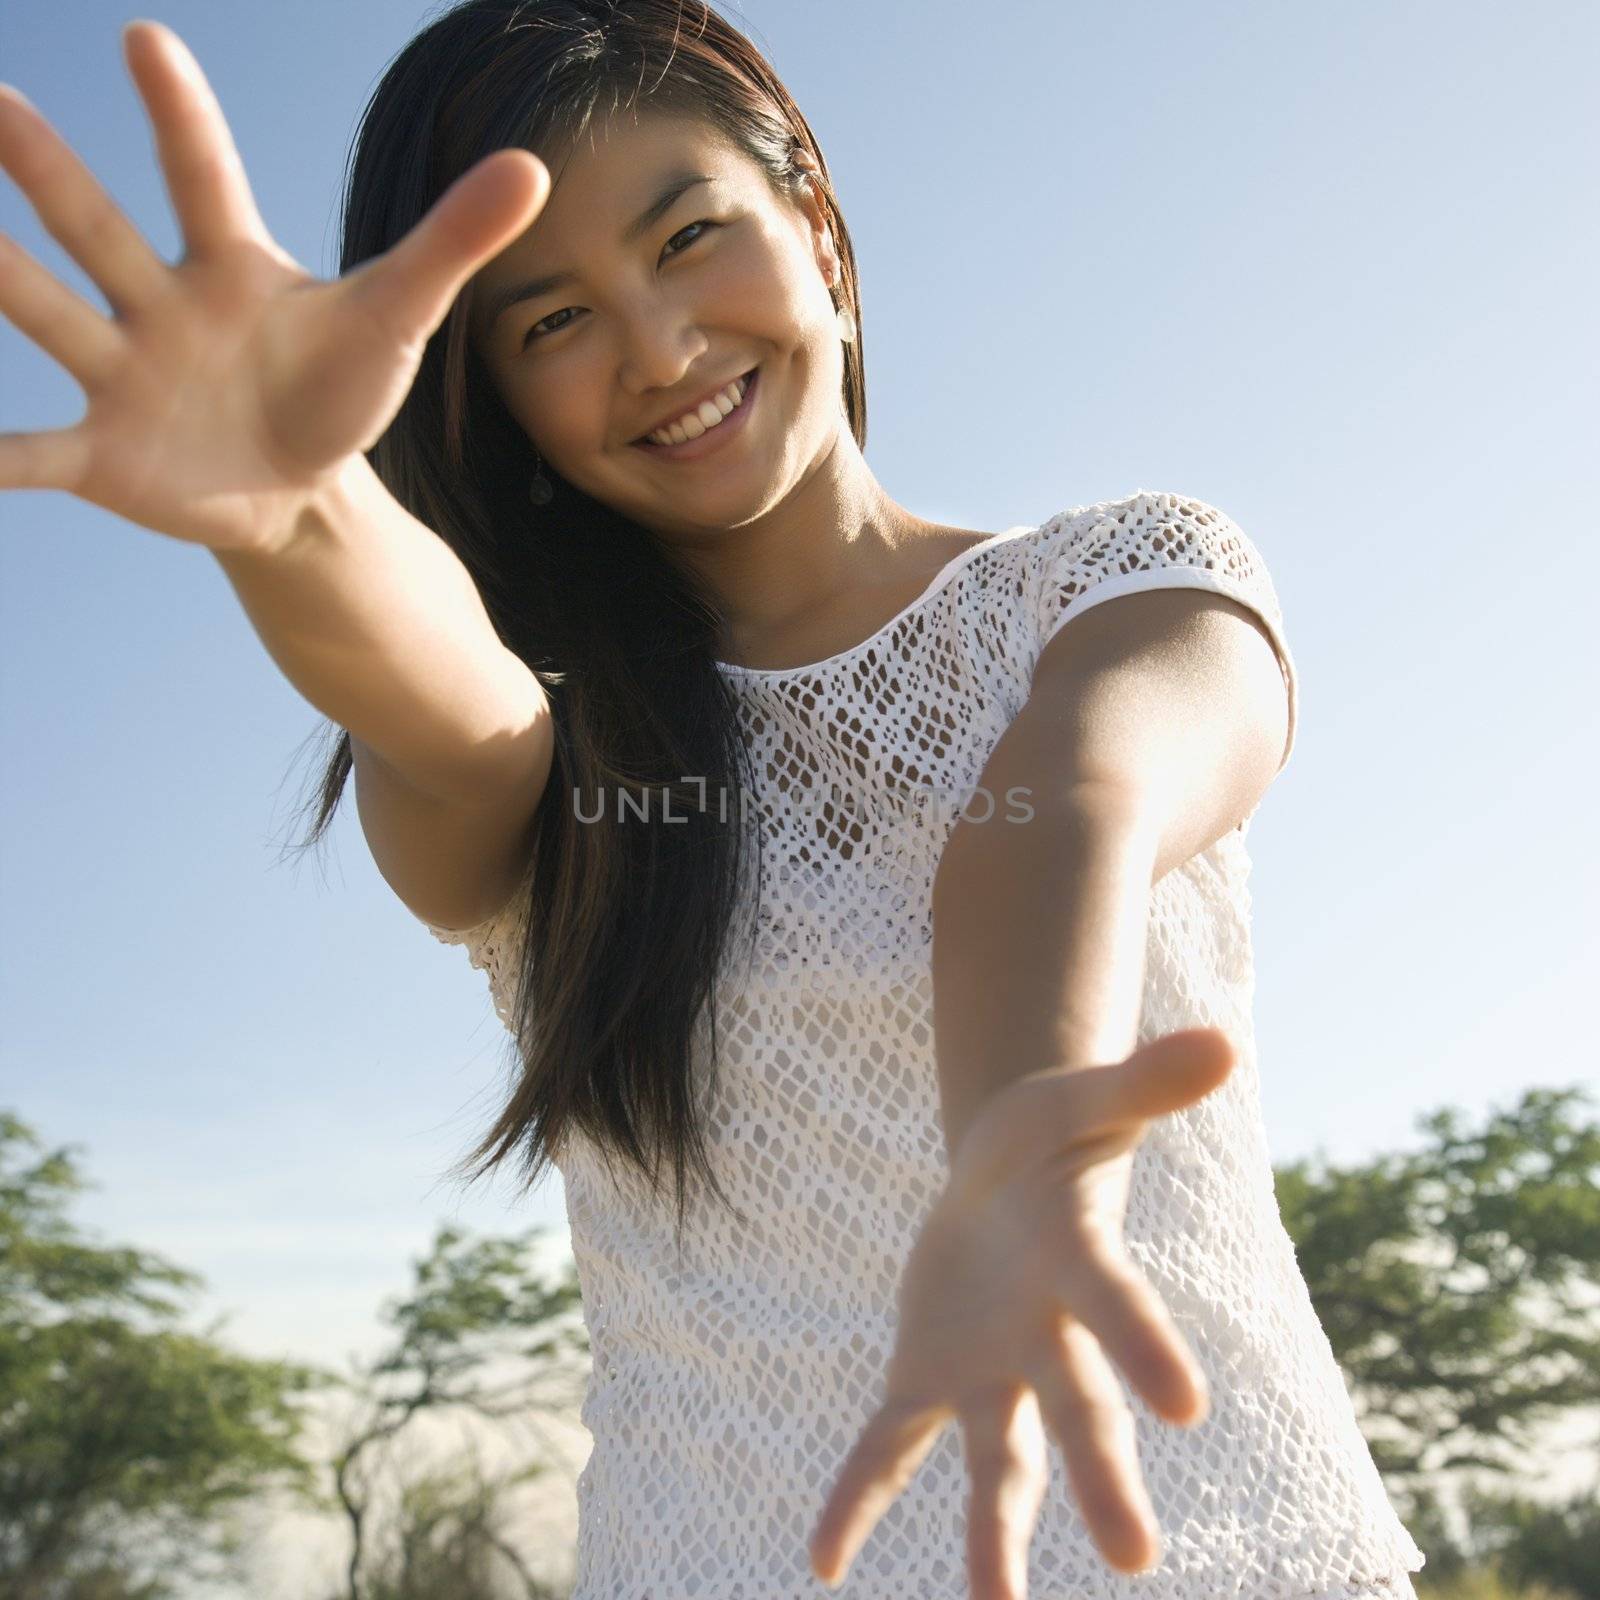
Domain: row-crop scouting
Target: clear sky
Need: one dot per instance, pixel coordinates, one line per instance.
(1329, 269)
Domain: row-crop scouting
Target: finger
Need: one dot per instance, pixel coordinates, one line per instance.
(1101, 1106)
(1083, 1406)
(53, 458)
(1175, 1070)
(410, 287)
(885, 1459)
(1006, 1460)
(1112, 1103)
(75, 210)
(61, 323)
(1132, 1324)
(206, 178)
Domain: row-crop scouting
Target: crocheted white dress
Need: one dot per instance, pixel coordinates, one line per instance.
(729, 1385)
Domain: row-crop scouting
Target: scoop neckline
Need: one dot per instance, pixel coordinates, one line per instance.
(935, 584)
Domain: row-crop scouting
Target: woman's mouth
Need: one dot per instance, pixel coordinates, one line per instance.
(716, 437)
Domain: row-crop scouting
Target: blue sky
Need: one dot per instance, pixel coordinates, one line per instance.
(1329, 269)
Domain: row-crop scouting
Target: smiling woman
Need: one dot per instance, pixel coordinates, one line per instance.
(689, 263)
(596, 239)
(587, 328)
(641, 428)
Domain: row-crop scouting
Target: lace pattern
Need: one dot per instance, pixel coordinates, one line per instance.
(730, 1381)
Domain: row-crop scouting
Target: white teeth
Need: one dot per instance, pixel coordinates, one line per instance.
(693, 423)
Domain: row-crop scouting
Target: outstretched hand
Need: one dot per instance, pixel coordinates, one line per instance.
(1016, 1298)
(225, 388)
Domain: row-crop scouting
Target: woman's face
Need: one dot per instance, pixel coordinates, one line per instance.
(727, 278)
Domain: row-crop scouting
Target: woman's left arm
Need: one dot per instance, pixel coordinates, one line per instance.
(1155, 724)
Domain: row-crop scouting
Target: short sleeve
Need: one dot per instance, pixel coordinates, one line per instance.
(467, 936)
(1159, 541)
(495, 947)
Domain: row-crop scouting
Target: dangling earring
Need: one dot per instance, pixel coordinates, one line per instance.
(540, 491)
(844, 317)
(847, 328)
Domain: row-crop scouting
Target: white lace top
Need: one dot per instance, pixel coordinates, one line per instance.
(729, 1385)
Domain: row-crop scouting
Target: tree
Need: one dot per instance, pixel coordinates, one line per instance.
(449, 1537)
(480, 1336)
(1550, 1545)
(120, 1432)
(1458, 1289)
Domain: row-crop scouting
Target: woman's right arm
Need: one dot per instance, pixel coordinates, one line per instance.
(374, 619)
(231, 399)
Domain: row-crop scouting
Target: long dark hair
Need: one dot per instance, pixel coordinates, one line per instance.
(624, 924)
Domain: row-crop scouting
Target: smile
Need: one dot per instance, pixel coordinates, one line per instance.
(717, 436)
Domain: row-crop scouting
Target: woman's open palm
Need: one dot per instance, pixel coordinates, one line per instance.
(224, 389)
(1016, 1299)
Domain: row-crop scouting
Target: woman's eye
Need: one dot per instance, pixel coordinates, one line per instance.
(704, 223)
(535, 331)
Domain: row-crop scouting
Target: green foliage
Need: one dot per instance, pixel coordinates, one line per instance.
(450, 1538)
(480, 1335)
(1483, 1581)
(1457, 1286)
(1554, 1546)
(108, 1581)
(117, 1426)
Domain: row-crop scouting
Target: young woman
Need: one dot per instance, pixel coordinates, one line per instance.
(806, 846)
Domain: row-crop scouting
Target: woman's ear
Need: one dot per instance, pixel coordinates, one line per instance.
(827, 256)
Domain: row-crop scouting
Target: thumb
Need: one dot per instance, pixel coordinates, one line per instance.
(411, 286)
(1177, 1069)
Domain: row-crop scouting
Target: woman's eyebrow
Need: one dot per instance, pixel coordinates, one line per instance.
(677, 184)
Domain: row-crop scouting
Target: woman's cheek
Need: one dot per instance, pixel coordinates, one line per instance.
(557, 412)
(519, 390)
